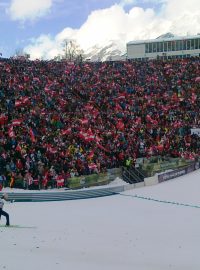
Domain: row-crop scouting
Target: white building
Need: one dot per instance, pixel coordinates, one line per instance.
(173, 47)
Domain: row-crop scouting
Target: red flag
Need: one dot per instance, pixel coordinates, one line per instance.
(97, 138)
(92, 166)
(66, 131)
(120, 125)
(36, 79)
(16, 122)
(148, 118)
(90, 155)
(18, 148)
(32, 135)
(18, 103)
(26, 78)
(46, 89)
(87, 136)
(95, 113)
(121, 96)
(89, 107)
(11, 133)
(3, 119)
(197, 79)
(83, 121)
(102, 147)
(25, 100)
(52, 150)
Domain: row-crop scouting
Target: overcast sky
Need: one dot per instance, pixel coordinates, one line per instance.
(40, 26)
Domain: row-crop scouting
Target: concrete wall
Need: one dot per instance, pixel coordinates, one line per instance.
(149, 181)
(135, 51)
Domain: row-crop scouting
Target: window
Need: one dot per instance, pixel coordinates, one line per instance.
(165, 46)
(160, 47)
(178, 45)
(146, 47)
(150, 48)
(174, 45)
(188, 44)
(181, 45)
(196, 44)
(169, 46)
(184, 45)
(192, 44)
(154, 47)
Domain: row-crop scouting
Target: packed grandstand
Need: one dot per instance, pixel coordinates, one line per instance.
(63, 119)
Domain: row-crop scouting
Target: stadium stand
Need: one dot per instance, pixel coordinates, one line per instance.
(59, 119)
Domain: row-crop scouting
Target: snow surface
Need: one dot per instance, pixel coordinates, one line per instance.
(108, 233)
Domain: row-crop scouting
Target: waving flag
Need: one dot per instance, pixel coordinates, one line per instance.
(32, 135)
(11, 133)
(66, 131)
(16, 122)
(102, 147)
(197, 79)
(120, 125)
(18, 103)
(83, 121)
(3, 119)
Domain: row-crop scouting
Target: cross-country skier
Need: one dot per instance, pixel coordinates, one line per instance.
(3, 213)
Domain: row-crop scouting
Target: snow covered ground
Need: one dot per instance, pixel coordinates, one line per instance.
(108, 233)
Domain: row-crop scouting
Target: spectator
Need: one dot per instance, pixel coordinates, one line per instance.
(77, 119)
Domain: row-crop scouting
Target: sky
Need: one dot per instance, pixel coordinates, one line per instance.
(40, 27)
(118, 232)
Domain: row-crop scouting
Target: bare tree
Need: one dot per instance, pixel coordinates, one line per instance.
(20, 53)
(72, 51)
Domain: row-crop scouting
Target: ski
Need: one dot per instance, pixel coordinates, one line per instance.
(17, 226)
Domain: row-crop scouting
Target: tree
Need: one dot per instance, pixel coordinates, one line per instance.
(21, 54)
(72, 51)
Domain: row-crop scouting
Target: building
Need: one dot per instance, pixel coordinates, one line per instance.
(164, 47)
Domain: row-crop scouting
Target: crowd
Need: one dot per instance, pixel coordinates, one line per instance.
(59, 119)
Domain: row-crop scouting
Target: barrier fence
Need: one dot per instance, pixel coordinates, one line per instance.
(179, 172)
(159, 164)
(94, 179)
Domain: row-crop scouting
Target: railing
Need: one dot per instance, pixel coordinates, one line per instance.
(132, 175)
(139, 173)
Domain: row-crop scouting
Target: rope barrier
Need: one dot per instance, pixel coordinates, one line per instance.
(161, 201)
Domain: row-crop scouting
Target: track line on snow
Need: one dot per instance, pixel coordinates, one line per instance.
(160, 201)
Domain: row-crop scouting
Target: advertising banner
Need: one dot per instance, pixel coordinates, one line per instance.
(170, 175)
(176, 173)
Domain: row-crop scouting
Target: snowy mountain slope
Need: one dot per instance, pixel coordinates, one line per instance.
(111, 51)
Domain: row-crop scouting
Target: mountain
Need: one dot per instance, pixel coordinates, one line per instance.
(167, 35)
(111, 51)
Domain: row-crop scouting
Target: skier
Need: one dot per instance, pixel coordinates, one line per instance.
(3, 213)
